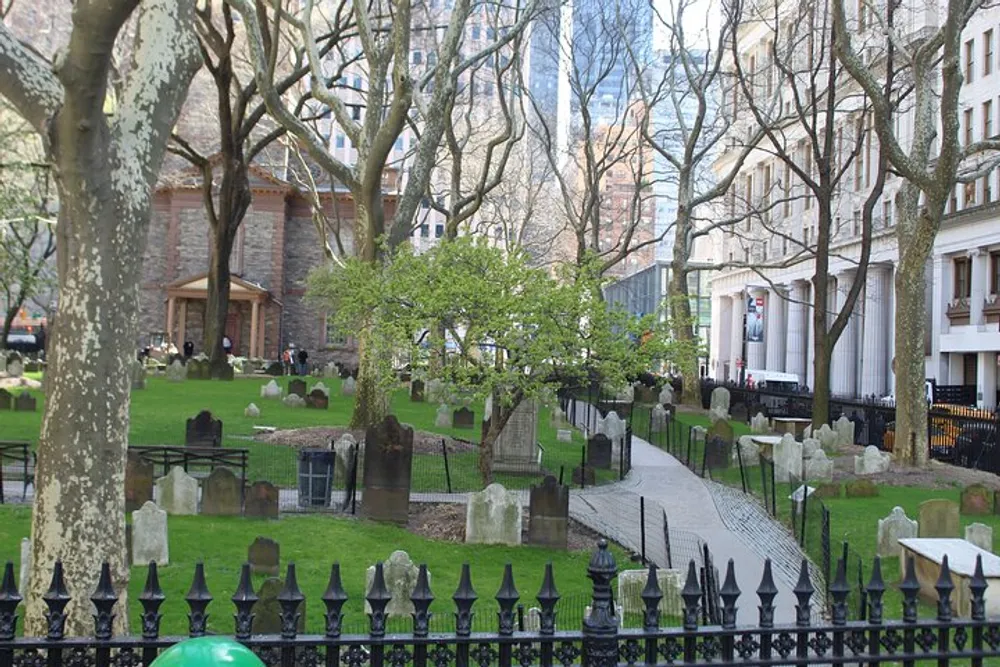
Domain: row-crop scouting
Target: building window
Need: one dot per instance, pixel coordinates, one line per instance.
(857, 223)
(995, 273)
(987, 188)
(357, 82)
(476, 30)
(967, 137)
(425, 231)
(963, 278)
(970, 52)
(887, 213)
(334, 337)
(970, 195)
(806, 236)
(438, 231)
(987, 52)
(418, 58)
(398, 145)
(340, 140)
(987, 119)
(491, 34)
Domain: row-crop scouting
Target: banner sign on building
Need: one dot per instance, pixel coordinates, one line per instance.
(754, 332)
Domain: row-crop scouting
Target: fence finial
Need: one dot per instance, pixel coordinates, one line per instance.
(334, 598)
(422, 597)
(507, 597)
(378, 599)
(691, 594)
(767, 591)
(151, 598)
(9, 599)
(840, 589)
(464, 597)
(56, 599)
(803, 593)
(290, 598)
(944, 587)
(198, 599)
(104, 599)
(601, 570)
(244, 599)
(875, 590)
(547, 597)
(910, 588)
(651, 596)
(729, 593)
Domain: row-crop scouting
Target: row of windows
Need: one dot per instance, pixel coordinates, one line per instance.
(963, 276)
(986, 122)
(986, 65)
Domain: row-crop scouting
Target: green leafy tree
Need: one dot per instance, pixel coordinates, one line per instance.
(518, 332)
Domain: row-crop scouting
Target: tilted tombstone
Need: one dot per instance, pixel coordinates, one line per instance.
(417, 391)
(138, 481)
(746, 452)
(138, 375)
(25, 402)
(938, 518)
(976, 500)
(548, 514)
(264, 556)
(203, 430)
(176, 371)
(267, 611)
(844, 428)
(177, 493)
(297, 387)
(443, 416)
(599, 451)
(149, 535)
(262, 501)
(222, 494)
(270, 390)
(6, 400)
(463, 418)
(318, 400)
(515, 449)
(981, 535)
(493, 516)
(788, 459)
(658, 419)
(719, 446)
(891, 529)
(631, 584)
(819, 468)
(348, 387)
(400, 574)
(759, 424)
(827, 437)
(387, 472)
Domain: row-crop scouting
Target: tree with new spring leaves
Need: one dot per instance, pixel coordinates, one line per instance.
(517, 331)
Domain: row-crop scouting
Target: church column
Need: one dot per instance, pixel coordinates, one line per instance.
(875, 332)
(795, 349)
(810, 336)
(721, 354)
(844, 366)
(979, 282)
(254, 318)
(182, 324)
(777, 334)
(736, 336)
(757, 350)
(171, 302)
(262, 348)
(986, 379)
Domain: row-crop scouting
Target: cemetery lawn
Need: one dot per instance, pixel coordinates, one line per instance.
(159, 413)
(314, 543)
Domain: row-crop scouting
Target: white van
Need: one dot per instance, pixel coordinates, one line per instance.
(773, 380)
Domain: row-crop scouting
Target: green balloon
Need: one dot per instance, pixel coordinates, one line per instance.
(208, 652)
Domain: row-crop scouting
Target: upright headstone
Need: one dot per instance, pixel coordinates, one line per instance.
(221, 494)
(810, 446)
(667, 395)
(198, 369)
(819, 468)
(400, 574)
(599, 451)
(759, 423)
(442, 418)
(417, 391)
(493, 516)
(264, 556)
(25, 402)
(318, 400)
(548, 514)
(270, 390)
(15, 365)
(976, 500)
(149, 535)
(564, 435)
(6, 400)
(331, 370)
(515, 449)
(557, 418)
(297, 387)
(267, 611)
(719, 409)
(719, 445)
(204, 430)
(435, 391)
(658, 419)
(938, 518)
(346, 450)
(138, 481)
(871, 461)
(749, 452)
(348, 387)
(631, 583)
(293, 401)
(387, 472)
(138, 375)
(463, 418)
(177, 493)
(844, 429)
(788, 459)
(891, 529)
(262, 501)
(24, 571)
(176, 372)
(981, 535)
(827, 437)
(319, 386)
(251, 411)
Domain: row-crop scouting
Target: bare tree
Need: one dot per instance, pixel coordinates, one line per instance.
(104, 166)
(384, 36)
(793, 91)
(930, 161)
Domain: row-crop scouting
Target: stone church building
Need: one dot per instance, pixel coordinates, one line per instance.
(275, 249)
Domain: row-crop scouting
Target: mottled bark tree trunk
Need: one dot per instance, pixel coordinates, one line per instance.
(217, 298)
(683, 329)
(823, 342)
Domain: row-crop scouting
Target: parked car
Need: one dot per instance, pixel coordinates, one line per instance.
(946, 424)
(975, 446)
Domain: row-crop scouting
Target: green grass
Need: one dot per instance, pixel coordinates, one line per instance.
(158, 415)
(314, 543)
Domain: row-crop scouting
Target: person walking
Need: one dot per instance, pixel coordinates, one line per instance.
(227, 345)
(288, 358)
(303, 357)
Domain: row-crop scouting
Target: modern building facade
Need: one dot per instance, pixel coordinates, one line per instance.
(764, 280)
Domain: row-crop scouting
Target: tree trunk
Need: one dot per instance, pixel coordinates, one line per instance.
(8, 322)
(371, 401)
(682, 329)
(217, 298)
(500, 416)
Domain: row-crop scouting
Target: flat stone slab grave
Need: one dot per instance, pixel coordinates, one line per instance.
(928, 552)
(767, 443)
(794, 425)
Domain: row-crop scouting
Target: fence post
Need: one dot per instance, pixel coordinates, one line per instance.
(666, 541)
(739, 459)
(447, 470)
(583, 466)
(600, 629)
(642, 527)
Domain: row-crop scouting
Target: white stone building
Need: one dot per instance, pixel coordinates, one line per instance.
(963, 278)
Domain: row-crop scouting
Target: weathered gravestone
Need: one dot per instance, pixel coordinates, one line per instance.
(270, 390)
(417, 391)
(294, 401)
(319, 386)
(493, 516)
(267, 611)
(442, 418)
(222, 494)
(331, 370)
(227, 373)
(891, 529)
(176, 371)
(871, 462)
(599, 451)
(25, 402)
(827, 437)
(463, 418)
(203, 430)
(275, 369)
(860, 488)
(976, 500)
(548, 514)
(149, 535)
(400, 575)
(564, 435)
(719, 446)
(981, 535)
(759, 424)
(138, 375)
(810, 446)
(198, 369)
(6, 400)
(615, 428)
(788, 459)
(435, 391)
(631, 584)
(719, 409)
(747, 451)
(387, 471)
(844, 429)
(318, 400)
(297, 387)
(348, 387)
(262, 501)
(346, 451)
(666, 396)
(177, 493)
(938, 518)
(251, 411)
(15, 367)
(515, 449)
(557, 418)
(658, 419)
(138, 481)
(264, 556)
(819, 468)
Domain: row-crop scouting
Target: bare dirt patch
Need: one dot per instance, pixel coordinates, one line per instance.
(936, 475)
(446, 521)
(320, 437)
